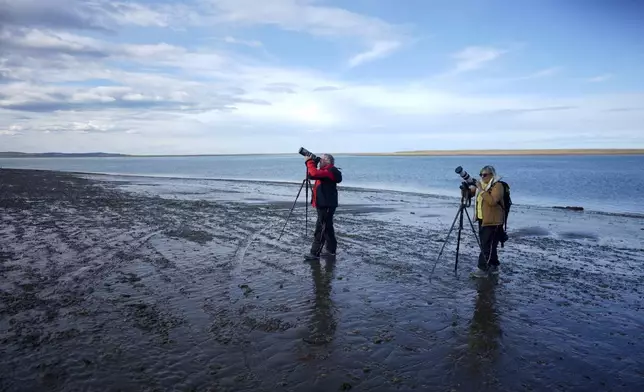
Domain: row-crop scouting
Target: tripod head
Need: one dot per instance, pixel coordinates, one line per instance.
(466, 194)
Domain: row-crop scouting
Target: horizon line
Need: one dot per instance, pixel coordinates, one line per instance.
(541, 151)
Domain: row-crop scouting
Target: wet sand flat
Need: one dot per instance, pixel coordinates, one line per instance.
(131, 284)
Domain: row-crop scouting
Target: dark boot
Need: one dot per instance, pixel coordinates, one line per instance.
(311, 257)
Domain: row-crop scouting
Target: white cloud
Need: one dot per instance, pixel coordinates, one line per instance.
(76, 89)
(11, 130)
(305, 16)
(544, 73)
(93, 14)
(251, 43)
(380, 49)
(300, 15)
(600, 78)
(475, 57)
(49, 42)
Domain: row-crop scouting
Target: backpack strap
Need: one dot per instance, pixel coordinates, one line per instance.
(504, 207)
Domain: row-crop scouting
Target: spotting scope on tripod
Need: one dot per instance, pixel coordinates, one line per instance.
(466, 202)
(306, 182)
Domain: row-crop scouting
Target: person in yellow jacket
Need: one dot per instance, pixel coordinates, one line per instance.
(490, 216)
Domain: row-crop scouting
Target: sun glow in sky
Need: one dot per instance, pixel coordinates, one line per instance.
(243, 76)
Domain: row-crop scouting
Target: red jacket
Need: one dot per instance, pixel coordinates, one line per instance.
(325, 192)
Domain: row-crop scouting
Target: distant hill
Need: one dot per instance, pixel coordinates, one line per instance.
(13, 154)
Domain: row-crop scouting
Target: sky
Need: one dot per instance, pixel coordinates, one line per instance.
(270, 76)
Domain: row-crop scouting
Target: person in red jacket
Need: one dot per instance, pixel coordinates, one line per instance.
(325, 201)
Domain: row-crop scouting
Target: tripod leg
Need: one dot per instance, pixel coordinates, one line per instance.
(445, 243)
(308, 185)
(292, 207)
(478, 241)
(458, 241)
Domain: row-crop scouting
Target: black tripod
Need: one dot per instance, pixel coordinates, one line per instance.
(305, 182)
(466, 201)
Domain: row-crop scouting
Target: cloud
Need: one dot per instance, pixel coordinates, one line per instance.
(27, 97)
(600, 78)
(80, 127)
(6, 76)
(95, 75)
(12, 130)
(544, 73)
(284, 88)
(299, 15)
(34, 42)
(99, 15)
(53, 13)
(37, 43)
(327, 88)
(475, 57)
(380, 49)
(251, 43)
(381, 37)
(626, 109)
(532, 110)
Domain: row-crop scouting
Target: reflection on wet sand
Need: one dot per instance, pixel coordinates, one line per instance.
(485, 331)
(484, 334)
(323, 323)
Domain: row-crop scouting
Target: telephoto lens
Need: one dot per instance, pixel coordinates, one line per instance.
(465, 176)
(304, 152)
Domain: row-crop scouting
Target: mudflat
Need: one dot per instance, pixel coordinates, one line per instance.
(132, 284)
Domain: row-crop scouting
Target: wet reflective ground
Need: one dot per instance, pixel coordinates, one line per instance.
(147, 286)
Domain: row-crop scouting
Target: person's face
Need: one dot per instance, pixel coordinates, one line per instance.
(486, 176)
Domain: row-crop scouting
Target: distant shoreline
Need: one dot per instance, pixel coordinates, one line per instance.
(509, 152)
(546, 152)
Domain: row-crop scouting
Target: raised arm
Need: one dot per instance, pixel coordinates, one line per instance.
(316, 174)
(494, 195)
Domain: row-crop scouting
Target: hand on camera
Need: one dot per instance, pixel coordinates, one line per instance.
(307, 158)
(479, 186)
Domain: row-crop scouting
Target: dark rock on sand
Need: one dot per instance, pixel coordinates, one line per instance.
(570, 208)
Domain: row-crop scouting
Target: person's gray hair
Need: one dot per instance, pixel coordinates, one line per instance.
(328, 158)
(490, 169)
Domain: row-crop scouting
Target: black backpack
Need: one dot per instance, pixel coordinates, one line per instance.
(507, 203)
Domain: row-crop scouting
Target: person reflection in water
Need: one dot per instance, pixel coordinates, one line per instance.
(485, 330)
(323, 323)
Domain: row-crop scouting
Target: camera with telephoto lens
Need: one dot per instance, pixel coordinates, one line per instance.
(304, 152)
(467, 179)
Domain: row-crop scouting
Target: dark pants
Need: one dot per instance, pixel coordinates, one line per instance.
(489, 236)
(324, 231)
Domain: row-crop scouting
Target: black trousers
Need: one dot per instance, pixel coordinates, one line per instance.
(489, 236)
(324, 231)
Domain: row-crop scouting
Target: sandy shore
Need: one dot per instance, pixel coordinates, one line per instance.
(144, 284)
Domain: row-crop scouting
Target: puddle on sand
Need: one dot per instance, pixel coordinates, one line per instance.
(147, 293)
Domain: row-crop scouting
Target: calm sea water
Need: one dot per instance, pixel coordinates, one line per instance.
(602, 183)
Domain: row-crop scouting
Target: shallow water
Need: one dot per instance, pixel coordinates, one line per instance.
(162, 285)
(600, 183)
